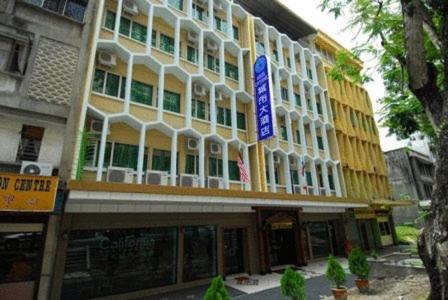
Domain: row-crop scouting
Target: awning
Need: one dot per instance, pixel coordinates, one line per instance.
(392, 203)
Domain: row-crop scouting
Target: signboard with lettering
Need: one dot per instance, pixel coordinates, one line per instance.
(27, 192)
(264, 99)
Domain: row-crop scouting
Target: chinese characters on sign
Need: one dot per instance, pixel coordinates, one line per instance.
(266, 123)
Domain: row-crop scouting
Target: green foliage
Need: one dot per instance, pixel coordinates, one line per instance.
(374, 254)
(380, 32)
(82, 155)
(335, 273)
(292, 285)
(407, 234)
(358, 264)
(217, 290)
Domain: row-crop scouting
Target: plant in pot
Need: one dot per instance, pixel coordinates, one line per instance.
(217, 290)
(292, 285)
(336, 274)
(359, 266)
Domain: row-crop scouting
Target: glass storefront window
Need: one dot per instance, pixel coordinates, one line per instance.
(105, 262)
(21, 256)
(320, 239)
(200, 258)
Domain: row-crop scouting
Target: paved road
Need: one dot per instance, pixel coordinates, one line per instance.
(315, 287)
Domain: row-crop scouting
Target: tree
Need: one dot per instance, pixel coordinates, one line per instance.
(217, 290)
(410, 40)
(292, 285)
(335, 273)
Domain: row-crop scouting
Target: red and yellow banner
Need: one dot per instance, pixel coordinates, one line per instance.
(27, 193)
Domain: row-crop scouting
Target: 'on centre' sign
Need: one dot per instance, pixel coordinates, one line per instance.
(264, 99)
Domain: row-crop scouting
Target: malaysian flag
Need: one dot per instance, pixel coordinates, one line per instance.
(244, 175)
(303, 166)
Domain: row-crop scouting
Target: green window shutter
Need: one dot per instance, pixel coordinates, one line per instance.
(125, 26)
(284, 93)
(234, 172)
(125, 156)
(141, 92)
(112, 84)
(98, 81)
(220, 115)
(309, 179)
(166, 43)
(192, 54)
(298, 136)
(284, 133)
(154, 38)
(236, 32)
(123, 87)
(295, 177)
(320, 143)
(298, 100)
(241, 121)
(228, 117)
(109, 22)
(138, 32)
(331, 182)
(107, 153)
(319, 108)
(171, 101)
(190, 162)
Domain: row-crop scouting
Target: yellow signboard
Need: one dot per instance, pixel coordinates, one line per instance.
(27, 192)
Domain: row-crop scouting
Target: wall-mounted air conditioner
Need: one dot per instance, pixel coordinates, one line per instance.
(189, 180)
(192, 144)
(215, 148)
(193, 37)
(217, 6)
(36, 168)
(215, 182)
(293, 162)
(297, 189)
(117, 174)
(211, 46)
(107, 59)
(276, 159)
(218, 96)
(198, 89)
(259, 31)
(130, 8)
(96, 127)
(156, 177)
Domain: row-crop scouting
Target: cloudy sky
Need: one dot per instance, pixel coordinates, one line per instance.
(309, 10)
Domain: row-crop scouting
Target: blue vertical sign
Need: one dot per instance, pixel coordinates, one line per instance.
(264, 99)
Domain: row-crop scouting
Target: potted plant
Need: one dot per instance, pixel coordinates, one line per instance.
(292, 285)
(359, 266)
(217, 290)
(336, 274)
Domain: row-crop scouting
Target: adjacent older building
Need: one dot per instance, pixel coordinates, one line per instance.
(411, 176)
(41, 65)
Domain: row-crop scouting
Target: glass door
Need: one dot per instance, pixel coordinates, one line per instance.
(233, 251)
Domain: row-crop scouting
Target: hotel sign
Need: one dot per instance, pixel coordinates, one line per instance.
(27, 193)
(264, 99)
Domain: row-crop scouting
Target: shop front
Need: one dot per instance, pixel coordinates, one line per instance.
(25, 207)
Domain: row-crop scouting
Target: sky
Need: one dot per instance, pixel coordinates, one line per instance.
(309, 11)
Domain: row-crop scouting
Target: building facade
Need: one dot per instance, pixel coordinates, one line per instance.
(41, 54)
(363, 164)
(411, 175)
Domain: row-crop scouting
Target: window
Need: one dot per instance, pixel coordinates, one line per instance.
(128, 27)
(125, 27)
(166, 43)
(94, 153)
(192, 164)
(275, 54)
(141, 92)
(268, 180)
(171, 101)
(241, 121)
(236, 33)
(13, 55)
(220, 24)
(112, 85)
(161, 160)
(384, 228)
(309, 178)
(109, 84)
(154, 38)
(109, 261)
(284, 133)
(200, 252)
(319, 107)
(213, 63)
(320, 143)
(224, 116)
(298, 136)
(30, 142)
(234, 171)
(298, 99)
(295, 177)
(74, 9)
(138, 32)
(126, 156)
(284, 93)
(428, 190)
(198, 109)
(198, 12)
(231, 71)
(259, 47)
(214, 167)
(288, 61)
(331, 181)
(192, 54)
(178, 4)
(109, 21)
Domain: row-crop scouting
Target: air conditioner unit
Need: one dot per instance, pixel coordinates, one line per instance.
(96, 127)
(35, 168)
(215, 149)
(297, 189)
(293, 162)
(215, 182)
(202, 2)
(276, 159)
(123, 175)
(211, 46)
(189, 180)
(192, 37)
(107, 59)
(218, 96)
(217, 6)
(198, 89)
(258, 31)
(156, 177)
(192, 144)
(130, 8)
